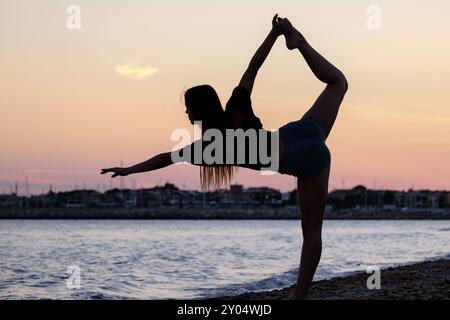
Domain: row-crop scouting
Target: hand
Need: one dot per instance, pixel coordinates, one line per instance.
(280, 25)
(286, 25)
(117, 171)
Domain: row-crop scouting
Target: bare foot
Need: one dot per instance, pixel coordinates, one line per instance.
(294, 38)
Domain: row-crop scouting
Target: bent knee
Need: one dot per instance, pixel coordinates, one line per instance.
(342, 83)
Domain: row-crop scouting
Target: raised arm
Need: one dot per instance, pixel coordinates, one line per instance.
(261, 54)
(157, 162)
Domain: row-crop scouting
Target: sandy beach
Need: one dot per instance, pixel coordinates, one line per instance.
(421, 281)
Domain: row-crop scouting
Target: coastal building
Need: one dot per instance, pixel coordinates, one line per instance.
(236, 192)
(263, 195)
(357, 199)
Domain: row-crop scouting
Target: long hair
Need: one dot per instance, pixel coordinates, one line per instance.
(205, 106)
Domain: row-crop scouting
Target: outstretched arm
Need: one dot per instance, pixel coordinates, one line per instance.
(163, 160)
(157, 162)
(261, 54)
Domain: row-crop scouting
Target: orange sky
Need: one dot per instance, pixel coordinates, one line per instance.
(75, 101)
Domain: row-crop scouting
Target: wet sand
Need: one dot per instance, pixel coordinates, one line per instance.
(423, 281)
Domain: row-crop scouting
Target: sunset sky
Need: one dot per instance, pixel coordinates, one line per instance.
(75, 101)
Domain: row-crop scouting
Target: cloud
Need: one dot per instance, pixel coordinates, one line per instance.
(135, 70)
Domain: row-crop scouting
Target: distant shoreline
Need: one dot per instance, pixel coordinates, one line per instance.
(236, 213)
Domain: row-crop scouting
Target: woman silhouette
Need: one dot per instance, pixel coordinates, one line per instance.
(302, 151)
